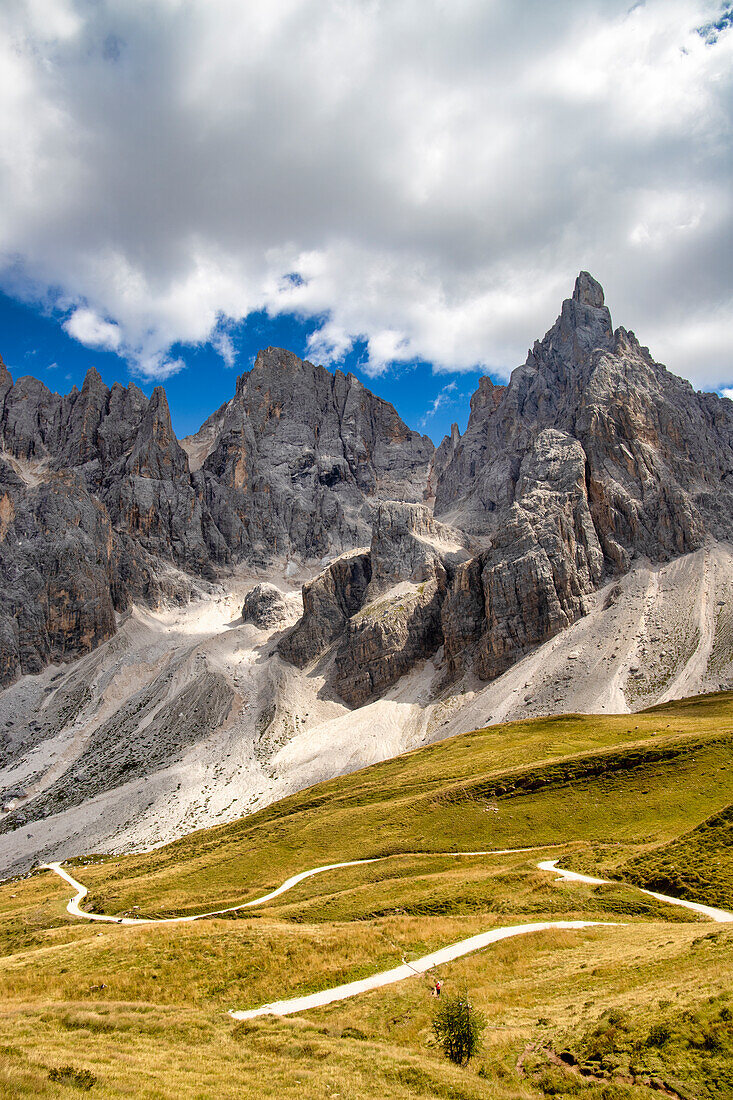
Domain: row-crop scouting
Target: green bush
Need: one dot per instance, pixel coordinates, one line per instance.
(82, 1079)
(458, 1027)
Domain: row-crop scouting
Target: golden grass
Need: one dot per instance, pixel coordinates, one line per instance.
(144, 1008)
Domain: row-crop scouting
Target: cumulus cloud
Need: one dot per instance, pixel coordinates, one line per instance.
(90, 329)
(426, 177)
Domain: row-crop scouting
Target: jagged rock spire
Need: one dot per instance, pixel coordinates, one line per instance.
(588, 291)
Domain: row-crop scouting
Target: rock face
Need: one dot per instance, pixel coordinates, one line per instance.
(99, 504)
(57, 573)
(329, 601)
(289, 463)
(380, 637)
(543, 561)
(593, 455)
(657, 455)
(387, 638)
(264, 606)
(407, 543)
(95, 491)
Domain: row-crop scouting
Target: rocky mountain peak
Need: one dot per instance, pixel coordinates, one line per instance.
(488, 395)
(588, 291)
(93, 381)
(654, 452)
(158, 409)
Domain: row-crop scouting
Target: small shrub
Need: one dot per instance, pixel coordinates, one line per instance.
(554, 1082)
(82, 1079)
(458, 1026)
(658, 1035)
(353, 1033)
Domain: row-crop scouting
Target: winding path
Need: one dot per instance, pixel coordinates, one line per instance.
(720, 915)
(405, 970)
(74, 906)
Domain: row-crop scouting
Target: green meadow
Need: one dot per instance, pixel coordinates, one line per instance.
(141, 1011)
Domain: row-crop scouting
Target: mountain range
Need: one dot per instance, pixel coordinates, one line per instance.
(191, 629)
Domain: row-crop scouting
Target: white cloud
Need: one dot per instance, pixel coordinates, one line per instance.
(445, 397)
(223, 344)
(434, 174)
(90, 329)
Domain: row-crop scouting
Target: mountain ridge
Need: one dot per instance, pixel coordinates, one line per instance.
(307, 586)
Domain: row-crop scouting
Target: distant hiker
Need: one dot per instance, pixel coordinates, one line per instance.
(437, 987)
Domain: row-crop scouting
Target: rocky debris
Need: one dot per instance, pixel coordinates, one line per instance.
(151, 730)
(329, 600)
(264, 606)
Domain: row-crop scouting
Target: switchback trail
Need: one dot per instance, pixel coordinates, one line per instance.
(74, 906)
(399, 973)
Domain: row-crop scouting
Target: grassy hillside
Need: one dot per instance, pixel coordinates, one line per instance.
(143, 1009)
(698, 864)
(631, 780)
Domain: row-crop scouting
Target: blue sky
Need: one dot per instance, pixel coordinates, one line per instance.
(404, 189)
(33, 341)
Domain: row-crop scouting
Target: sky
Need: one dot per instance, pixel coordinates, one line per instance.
(401, 188)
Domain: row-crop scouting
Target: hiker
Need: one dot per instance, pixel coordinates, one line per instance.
(437, 987)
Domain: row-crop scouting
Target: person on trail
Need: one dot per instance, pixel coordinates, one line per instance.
(437, 987)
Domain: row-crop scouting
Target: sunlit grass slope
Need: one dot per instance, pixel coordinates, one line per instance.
(637, 781)
(140, 1011)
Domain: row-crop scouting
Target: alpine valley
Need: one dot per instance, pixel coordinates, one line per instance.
(193, 629)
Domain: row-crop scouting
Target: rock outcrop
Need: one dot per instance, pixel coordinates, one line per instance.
(658, 456)
(264, 606)
(407, 543)
(288, 467)
(379, 608)
(329, 601)
(388, 637)
(290, 462)
(592, 455)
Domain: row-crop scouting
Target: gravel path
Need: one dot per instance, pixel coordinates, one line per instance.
(405, 970)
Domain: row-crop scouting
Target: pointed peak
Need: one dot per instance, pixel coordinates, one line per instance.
(158, 412)
(158, 400)
(139, 394)
(92, 380)
(588, 291)
(278, 359)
